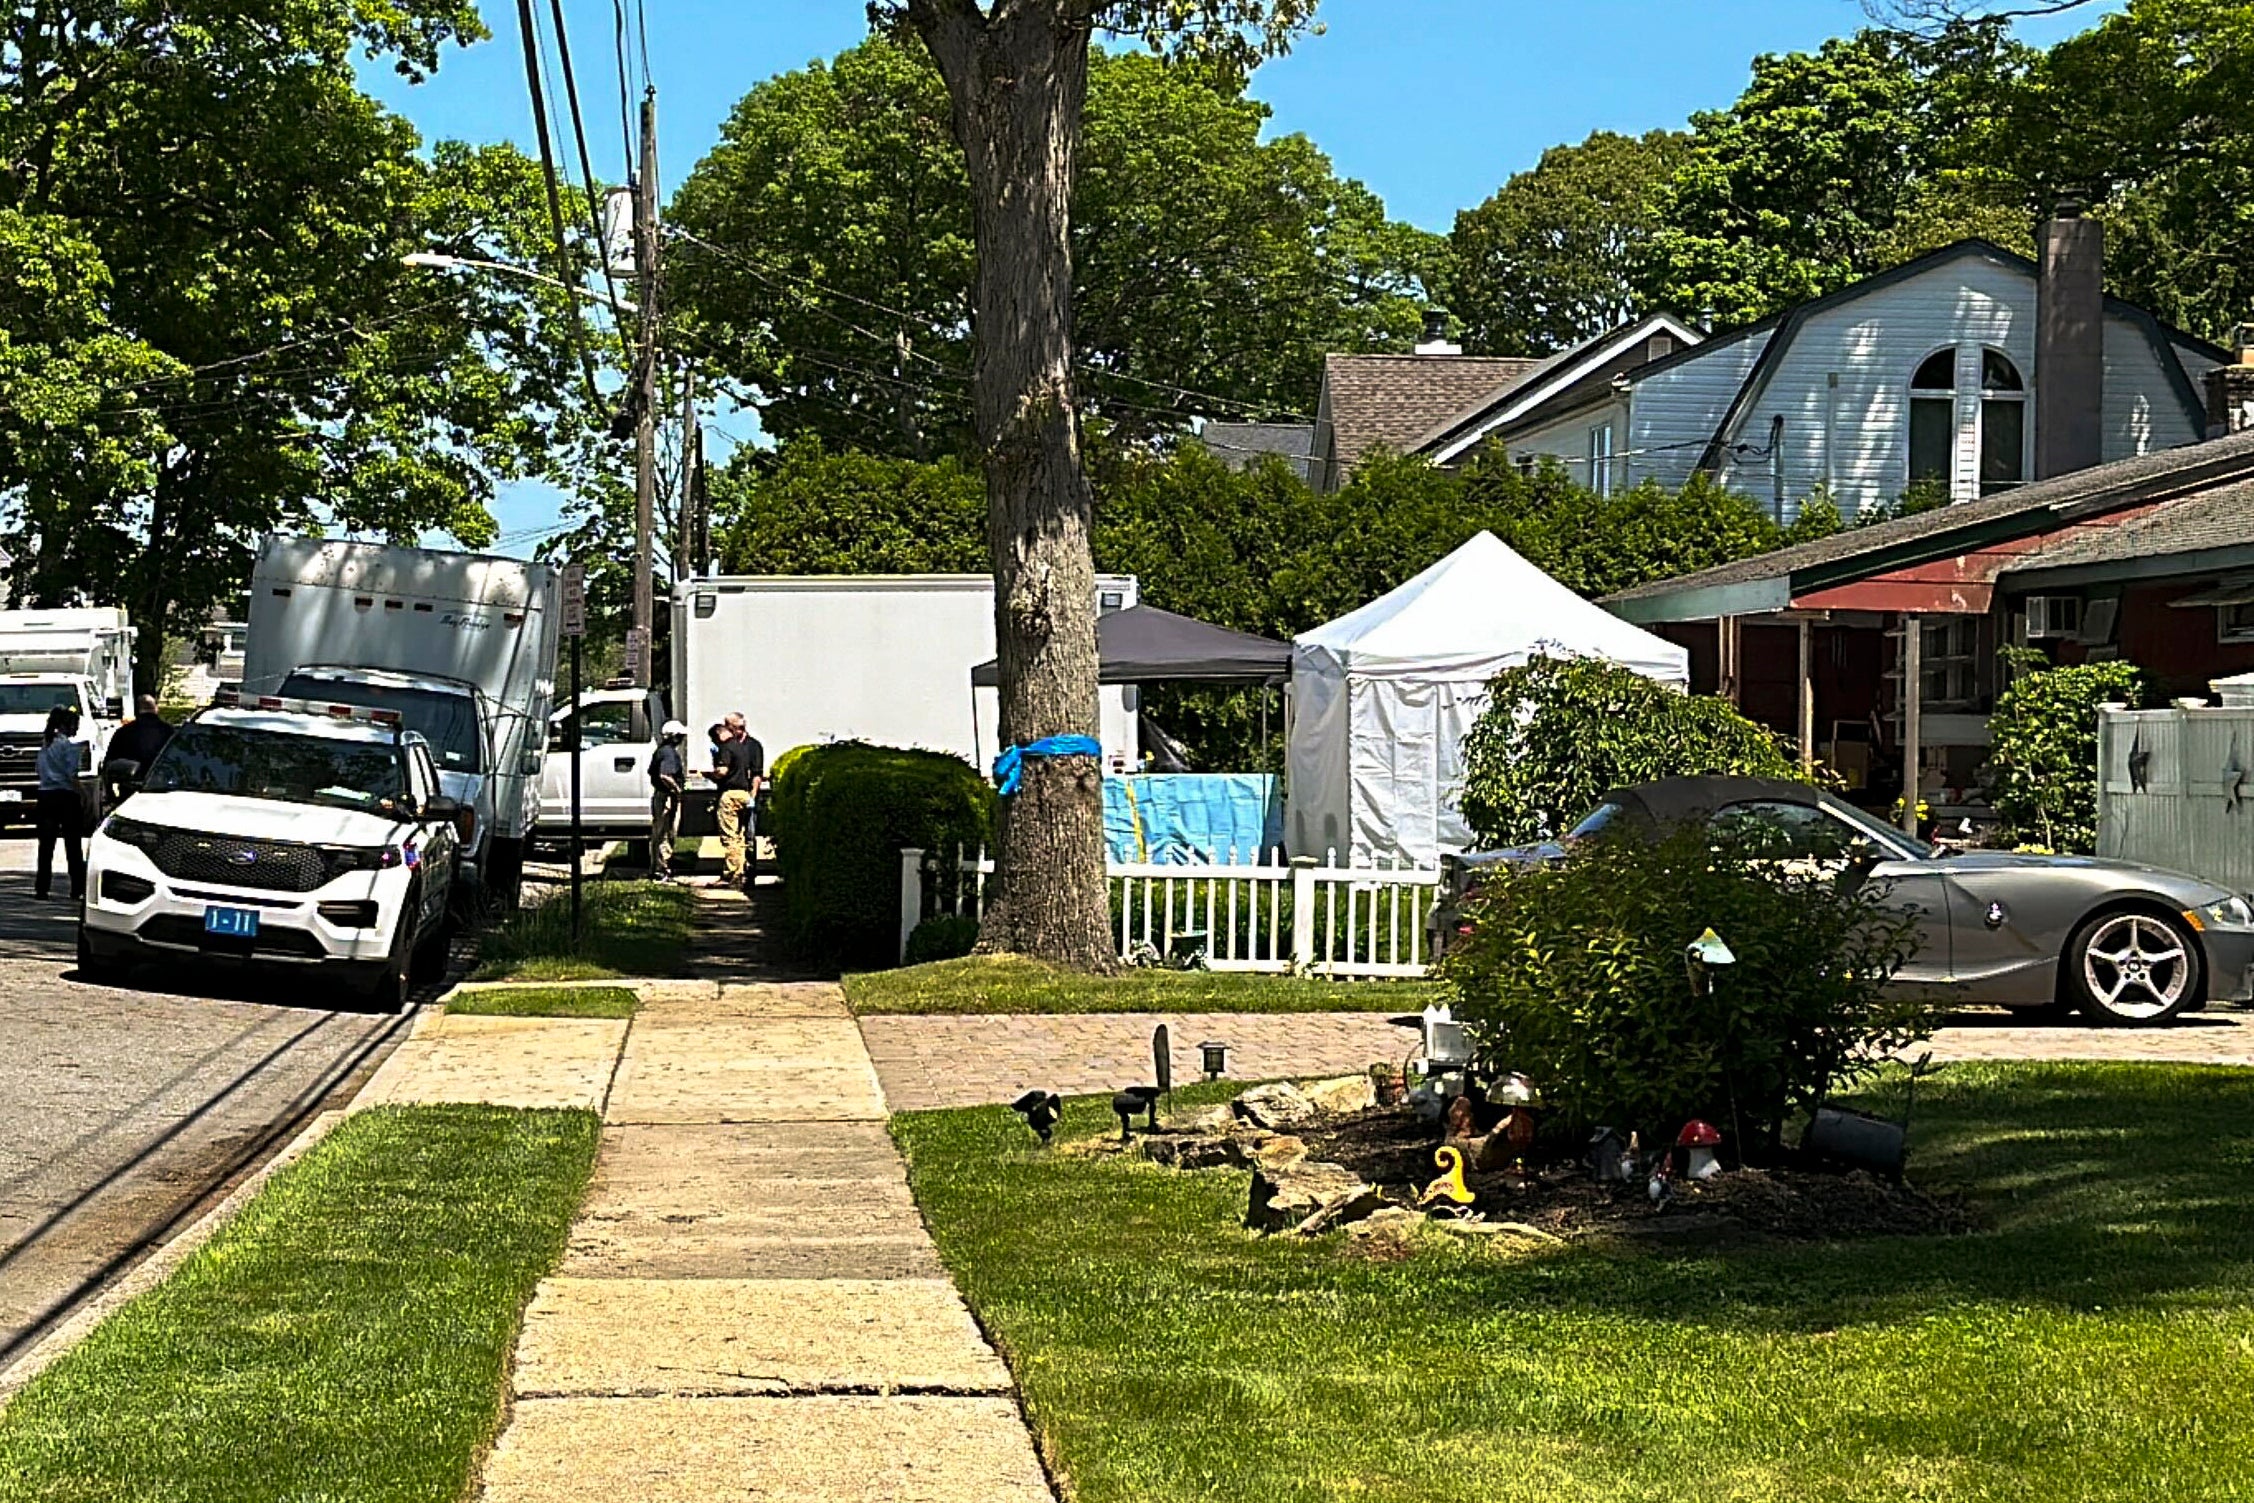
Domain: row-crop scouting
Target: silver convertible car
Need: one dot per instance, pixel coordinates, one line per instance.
(2120, 942)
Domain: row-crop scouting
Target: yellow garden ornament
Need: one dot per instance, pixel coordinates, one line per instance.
(1450, 1185)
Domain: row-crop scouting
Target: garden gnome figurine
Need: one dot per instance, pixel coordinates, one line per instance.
(1630, 1157)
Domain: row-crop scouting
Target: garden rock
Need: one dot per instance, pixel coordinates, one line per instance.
(1196, 1151)
(1276, 1106)
(1288, 1196)
(1277, 1150)
(1345, 1093)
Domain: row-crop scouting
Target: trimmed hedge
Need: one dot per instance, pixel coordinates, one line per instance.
(840, 814)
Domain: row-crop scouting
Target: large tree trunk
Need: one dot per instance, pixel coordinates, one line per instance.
(1018, 74)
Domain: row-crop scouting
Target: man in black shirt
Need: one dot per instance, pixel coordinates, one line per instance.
(141, 738)
(739, 763)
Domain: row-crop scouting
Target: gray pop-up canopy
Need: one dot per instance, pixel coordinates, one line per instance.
(1145, 645)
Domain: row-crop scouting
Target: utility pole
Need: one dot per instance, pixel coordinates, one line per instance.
(645, 401)
(685, 560)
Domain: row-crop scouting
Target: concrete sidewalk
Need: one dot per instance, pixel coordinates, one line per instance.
(750, 1307)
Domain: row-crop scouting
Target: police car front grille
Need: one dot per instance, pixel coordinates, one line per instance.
(234, 862)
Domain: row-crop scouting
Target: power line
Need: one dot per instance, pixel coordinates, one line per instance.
(586, 168)
(625, 94)
(555, 196)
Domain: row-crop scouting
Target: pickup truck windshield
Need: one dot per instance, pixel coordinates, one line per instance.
(447, 721)
(271, 764)
(37, 699)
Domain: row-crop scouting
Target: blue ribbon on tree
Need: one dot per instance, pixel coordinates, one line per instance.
(1009, 767)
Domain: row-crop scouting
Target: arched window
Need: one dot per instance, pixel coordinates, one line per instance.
(2003, 423)
(1933, 418)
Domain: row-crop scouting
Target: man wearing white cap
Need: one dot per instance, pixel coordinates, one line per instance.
(669, 772)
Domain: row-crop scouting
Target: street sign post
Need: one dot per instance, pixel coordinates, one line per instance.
(575, 627)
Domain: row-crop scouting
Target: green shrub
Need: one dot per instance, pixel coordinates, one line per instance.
(840, 816)
(1560, 733)
(1575, 974)
(2042, 767)
(943, 936)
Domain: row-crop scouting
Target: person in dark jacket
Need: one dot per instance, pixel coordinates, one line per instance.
(669, 775)
(140, 739)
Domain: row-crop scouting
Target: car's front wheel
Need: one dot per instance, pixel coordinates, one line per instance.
(94, 969)
(2133, 968)
(388, 988)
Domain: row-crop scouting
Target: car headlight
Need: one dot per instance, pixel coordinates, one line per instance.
(362, 858)
(2231, 913)
(129, 831)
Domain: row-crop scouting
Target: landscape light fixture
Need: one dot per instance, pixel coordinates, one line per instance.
(1127, 1103)
(1040, 1109)
(1215, 1056)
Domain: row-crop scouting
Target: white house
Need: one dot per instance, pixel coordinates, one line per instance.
(1969, 366)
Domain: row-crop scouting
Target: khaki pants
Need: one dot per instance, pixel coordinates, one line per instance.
(665, 829)
(735, 815)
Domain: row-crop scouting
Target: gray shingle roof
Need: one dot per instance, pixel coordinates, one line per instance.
(1396, 399)
(2222, 461)
(1239, 445)
(2219, 518)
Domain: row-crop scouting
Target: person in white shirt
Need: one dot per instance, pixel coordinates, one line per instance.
(60, 761)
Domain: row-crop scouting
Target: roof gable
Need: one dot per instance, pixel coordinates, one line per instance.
(1565, 375)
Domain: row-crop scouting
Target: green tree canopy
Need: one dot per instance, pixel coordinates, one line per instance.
(834, 275)
(1831, 166)
(223, 214)
(1556, 255)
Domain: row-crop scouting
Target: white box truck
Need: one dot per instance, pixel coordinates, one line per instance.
(80, 657)
(463, 645)
(882, 658)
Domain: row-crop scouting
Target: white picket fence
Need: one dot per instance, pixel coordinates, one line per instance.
(1300, 916)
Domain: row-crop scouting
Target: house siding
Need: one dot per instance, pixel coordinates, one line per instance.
(1673, 412)
(1875, 343)
(1566, 439)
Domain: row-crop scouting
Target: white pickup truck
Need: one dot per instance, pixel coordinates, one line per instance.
(618, 732)
(82, 658)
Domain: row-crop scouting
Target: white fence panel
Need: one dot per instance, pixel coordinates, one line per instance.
(1263, 914)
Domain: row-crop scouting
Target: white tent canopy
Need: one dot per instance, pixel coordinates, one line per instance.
(1383, 696)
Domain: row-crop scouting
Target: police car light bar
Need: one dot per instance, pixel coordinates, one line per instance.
(232, 698)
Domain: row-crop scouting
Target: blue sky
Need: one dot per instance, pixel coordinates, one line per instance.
(1432, 103)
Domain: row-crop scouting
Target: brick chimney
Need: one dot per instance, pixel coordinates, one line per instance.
(2069, 342)
(2230, 388)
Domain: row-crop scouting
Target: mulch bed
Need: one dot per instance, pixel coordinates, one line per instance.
(1394, 1151)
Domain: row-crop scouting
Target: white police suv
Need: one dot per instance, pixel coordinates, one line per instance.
(279, 832)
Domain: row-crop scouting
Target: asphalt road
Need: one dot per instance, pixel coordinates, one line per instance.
(124, 1112)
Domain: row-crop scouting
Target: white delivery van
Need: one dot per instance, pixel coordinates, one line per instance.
(80, 657)
(882, 658)
(462, 645)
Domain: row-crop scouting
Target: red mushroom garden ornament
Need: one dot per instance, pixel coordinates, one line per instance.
(1699, 1140)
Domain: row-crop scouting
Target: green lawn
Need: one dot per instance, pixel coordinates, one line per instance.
(627, 928)
(343, 1339)
(546, 1002)
(2094, 1341)
(1001, 983)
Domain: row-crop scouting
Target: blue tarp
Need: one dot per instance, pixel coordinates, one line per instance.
(1176, 818)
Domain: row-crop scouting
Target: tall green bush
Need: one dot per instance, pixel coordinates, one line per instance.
(1574, 974)
(840, 816)
(1559, 733)
(2043, 737)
